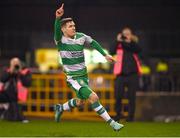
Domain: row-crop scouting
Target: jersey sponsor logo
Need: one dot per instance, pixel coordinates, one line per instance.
(77, 54)
(71, 54)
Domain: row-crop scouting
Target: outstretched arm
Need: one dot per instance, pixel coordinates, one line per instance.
(98, 47)
(57, 25)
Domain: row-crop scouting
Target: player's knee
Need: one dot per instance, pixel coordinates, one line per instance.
(79, 102)
(85, 92)
(93, 98)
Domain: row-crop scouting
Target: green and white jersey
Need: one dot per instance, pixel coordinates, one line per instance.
(72, 54)
(72, 51)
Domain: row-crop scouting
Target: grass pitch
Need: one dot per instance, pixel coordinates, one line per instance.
(86, 128)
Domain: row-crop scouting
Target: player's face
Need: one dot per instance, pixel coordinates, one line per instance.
(70, 29)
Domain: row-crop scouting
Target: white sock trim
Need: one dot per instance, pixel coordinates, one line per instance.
(105, 116)
(66, 106)
(98, 108)
(71, 102)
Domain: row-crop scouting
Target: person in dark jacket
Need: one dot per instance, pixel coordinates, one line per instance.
(9, 80)
(127, 68)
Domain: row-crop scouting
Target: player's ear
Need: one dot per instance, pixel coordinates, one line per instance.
(63, 29)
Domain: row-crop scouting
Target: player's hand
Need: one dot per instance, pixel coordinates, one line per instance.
(109, 58)
(60, 11)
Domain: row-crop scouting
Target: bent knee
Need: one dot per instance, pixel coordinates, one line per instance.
(93, 98)
(79, 102)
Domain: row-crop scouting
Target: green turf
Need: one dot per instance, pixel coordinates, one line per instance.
(84, 128)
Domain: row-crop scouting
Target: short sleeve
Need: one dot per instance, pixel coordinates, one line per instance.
(88, 39)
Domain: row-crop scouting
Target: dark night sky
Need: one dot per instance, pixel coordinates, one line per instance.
(157, 20)
(39, 14)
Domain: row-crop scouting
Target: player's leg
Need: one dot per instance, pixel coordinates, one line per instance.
(60, 108)
(92, 97)
(119, 93)
(75, 102)
(132, 88)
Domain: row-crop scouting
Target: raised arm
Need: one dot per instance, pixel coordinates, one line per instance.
(57, 25)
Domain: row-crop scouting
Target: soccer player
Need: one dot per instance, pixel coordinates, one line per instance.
(70, 45)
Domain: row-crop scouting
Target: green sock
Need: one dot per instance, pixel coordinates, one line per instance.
(70, 104)
(101, 111)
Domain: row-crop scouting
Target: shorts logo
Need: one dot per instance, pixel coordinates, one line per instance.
(81, 82)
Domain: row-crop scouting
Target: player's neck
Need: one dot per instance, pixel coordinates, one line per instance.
(71, 37)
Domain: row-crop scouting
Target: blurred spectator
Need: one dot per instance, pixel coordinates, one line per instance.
(127, 68)
(14, 81)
